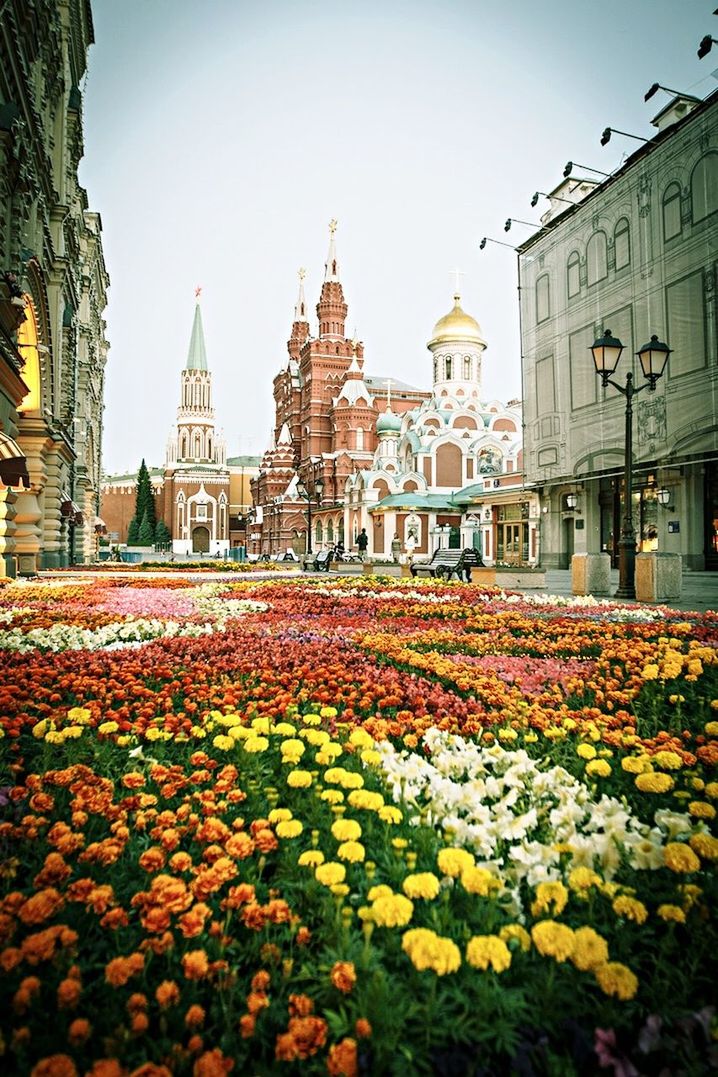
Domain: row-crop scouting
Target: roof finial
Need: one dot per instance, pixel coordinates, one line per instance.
(388, 394)
(457, 273)
(332, 266)
(300, 309)
(198, 292)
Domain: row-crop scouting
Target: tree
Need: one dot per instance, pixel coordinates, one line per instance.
(133, 532)
(162, 534)
(146, 536)
(145, 502)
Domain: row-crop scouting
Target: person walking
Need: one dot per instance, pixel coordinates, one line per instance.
(362, 543)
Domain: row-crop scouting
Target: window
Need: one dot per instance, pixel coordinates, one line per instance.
(671, 212)
(622, 243)
(467, 367)
(543, 298)
(573, 272)
(436, 369)
(704, 187)
(447, 365)
(596, 258)
(545, 386)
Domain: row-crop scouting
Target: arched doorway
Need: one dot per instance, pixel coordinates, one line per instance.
(200, 540)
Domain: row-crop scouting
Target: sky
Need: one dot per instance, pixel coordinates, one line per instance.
(222, 136)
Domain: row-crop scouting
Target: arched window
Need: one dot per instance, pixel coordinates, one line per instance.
(543, 298)
(467, 367)
(704, 187)
(448, 367)
(196, 446)
(184, 446)
(436, 369)
(671, 212)
(209, 446)
(622, 243)
(360, 438)
(596, 268)
(573, 274)
(319, 532)
(672, 224)
(330, 531)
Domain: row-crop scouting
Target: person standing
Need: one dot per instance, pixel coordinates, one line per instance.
(362, 543)
(395, 549)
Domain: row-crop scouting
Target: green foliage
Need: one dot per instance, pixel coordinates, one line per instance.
(145, 502)
(146, 535)
(162, 534)
(133, 532)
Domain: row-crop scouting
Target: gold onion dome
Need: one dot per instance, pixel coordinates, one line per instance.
(457, 325)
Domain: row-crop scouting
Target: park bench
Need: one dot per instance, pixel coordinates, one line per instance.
(445, 563)
(321, 561)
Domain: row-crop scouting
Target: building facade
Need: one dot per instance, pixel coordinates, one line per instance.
(53, 291)
(638, 255)
(415, 469)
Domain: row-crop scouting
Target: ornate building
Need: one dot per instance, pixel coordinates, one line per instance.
(53, 291)
(353, 451)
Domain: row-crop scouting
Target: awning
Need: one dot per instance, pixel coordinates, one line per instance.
(13, 463)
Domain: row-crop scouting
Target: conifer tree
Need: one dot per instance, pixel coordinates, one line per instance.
(162, 534)
(133, 532)
(146, 536)
(145, 502)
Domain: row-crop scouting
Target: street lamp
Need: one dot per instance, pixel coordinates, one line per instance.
(653, 356)
(309, 497)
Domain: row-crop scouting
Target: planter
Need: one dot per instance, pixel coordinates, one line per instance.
(590, 574)
(367, 568)
(510, 579)
(658, 576)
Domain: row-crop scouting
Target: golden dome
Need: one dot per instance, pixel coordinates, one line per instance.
(457, 325)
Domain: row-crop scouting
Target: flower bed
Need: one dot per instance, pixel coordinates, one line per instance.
(354, 826)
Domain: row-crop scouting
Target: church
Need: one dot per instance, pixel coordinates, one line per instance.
(353, 451)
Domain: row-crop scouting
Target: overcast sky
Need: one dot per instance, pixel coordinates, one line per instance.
(222, 136)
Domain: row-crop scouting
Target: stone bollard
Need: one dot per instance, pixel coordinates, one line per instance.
(590, 574)
(659, 576)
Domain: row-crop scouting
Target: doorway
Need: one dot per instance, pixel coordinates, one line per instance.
(200, 540)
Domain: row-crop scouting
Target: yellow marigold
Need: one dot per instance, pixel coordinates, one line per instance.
(598, 768)
(423, 884)
(312, 858)
(590, 949)
(332, 796)
(680, 858)
(515, 933)
(279, 815)
(477, 880)
(311, 719)
(705, 845)
(256, 745)
(427, 950)
(636, 764)
(667, 760)
(360, 738)
(629, 908)
(454, 862)
(315, 737)
(484, 951)
(290, 828)
(390, 814)
(223, 743)
(650, 672)
(283, 729)
(346, 778)
(364, 798)
(701, 809)
(352, 851)
(329, 712)
(552, 939)
(586, 751)
(299, 779)
(107, 727)
(671, 912)
(330, 873)
(711, 728)
(711, 789)
(292, 749)
(654, 783)
(581, 879)
(370, 757)
(394, 910)
(346, 830)
(551, 898)
(380, 890)
(616, 979)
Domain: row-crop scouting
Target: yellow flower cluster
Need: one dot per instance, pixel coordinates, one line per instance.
(454, 862)
(427, 950)
(551, 898)
(391, 910)
(421, 885)
(484, 951)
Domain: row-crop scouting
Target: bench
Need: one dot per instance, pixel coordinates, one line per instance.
(445, 563)
(322, 561)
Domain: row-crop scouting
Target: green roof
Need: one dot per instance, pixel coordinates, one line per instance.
(244, 461)
(197, 356)
(413, 501)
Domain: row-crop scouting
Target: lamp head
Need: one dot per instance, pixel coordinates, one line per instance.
(534, 200)
(301, 489)
(653, 90)
(606, 136)
(705, 46)
(568, 169)
(507, 225)
(319, 487)
(571, 501)
(606, 353)
(663, 496)
(653, 357)
(482, 244)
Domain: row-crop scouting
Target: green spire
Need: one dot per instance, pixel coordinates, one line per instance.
(197, 355)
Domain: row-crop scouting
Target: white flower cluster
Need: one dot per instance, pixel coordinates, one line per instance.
(353, 592)
(609, 610)
(206, 602)
(131, 632)
(513, 812)
(6, 616)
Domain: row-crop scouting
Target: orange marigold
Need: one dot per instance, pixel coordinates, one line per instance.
(167, 994)
(40, 907)
(195, 1016)
(195, 965)
(212, 1064)
(120, 969)
(343, 976)
(79, 1031)
(342, 1058)
(55, 1066)
(68, 994)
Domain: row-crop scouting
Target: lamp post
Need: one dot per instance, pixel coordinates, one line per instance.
(653, 356)
(309, 497)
